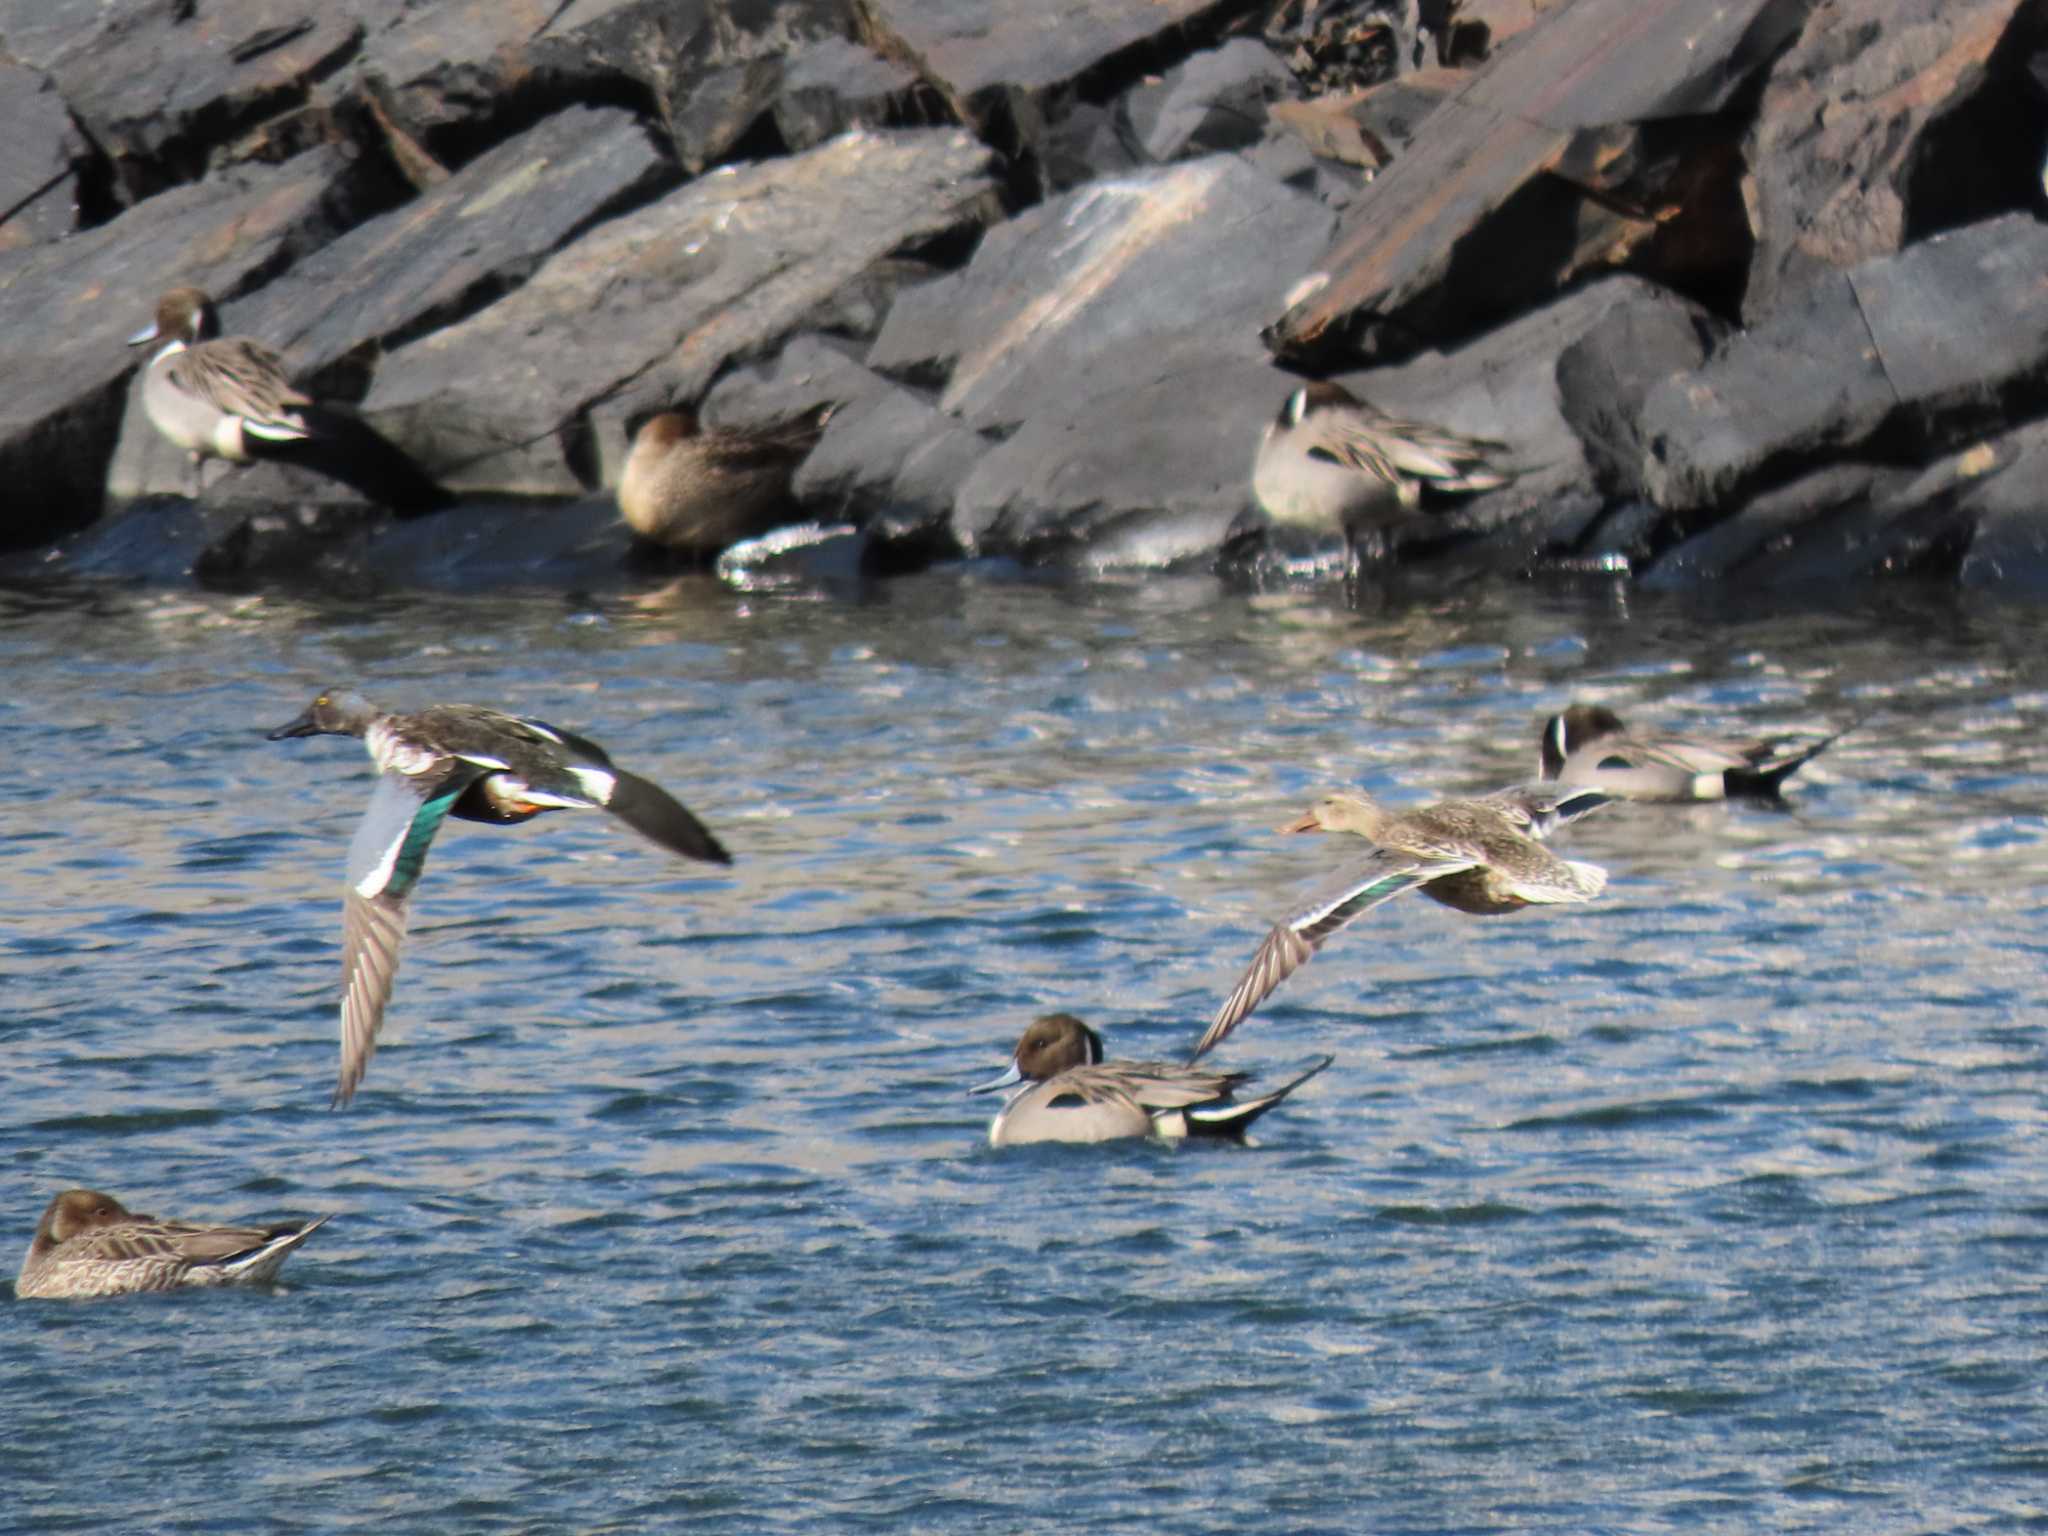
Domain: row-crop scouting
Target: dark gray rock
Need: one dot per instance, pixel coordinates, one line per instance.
(831, 85)
(40, 153)
(1083, 142)
(1105, 290)
(484, 228)
(1214, 101)
(1005, 68)
(713, 67)
(891, 460)
(2007, 501)
(1605, 375)
(73, 305)
(1919, 347)
(158, 85)
(1152, 475)
(1771, 524)
(810, 373)
(1840, 132)
(649, 308)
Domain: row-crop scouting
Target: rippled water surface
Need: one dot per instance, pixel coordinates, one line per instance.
(1716, 1205)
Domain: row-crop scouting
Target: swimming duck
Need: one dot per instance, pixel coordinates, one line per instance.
(1478, 856)
(89, 1244)
(1588, 744)
(213, 394)
(473, 763)
(697, 490)
(1069, 1093)
(1332, 463)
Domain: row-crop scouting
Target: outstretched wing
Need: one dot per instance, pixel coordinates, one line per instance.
(384, 864)
(1378, 878)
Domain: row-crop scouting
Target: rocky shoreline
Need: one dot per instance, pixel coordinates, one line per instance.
(1753, 291)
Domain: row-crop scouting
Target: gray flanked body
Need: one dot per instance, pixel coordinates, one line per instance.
(89, 1244)
(213, 396)
(1331, 462)
(1482, 857)
(475, 764)
(1588, 744)
(1061, 1089)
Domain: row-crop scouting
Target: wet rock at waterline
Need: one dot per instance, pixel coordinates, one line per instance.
(1747, 290)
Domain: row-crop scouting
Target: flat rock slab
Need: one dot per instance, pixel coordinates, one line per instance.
(1106, 289)
(1917, 346)
(71, 307)
(648, 308)
(1587, 65)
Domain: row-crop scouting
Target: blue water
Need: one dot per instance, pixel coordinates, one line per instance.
(1717, 1205)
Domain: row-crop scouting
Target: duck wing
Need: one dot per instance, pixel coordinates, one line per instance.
(1370, 882)
(384, 864)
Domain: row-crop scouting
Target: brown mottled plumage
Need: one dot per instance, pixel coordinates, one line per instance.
(1477, 856)
(695, 490)
(89, 1244)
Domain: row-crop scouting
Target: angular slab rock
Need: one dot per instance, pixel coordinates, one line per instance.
(1839, 132)
(1214, 101)
(1917, 348)
(647, 309)
(158, 86)
(714, 67)
(40, 154)
(489, 225)
(1545, 102)
(1108, 288)
(69, 309)
(832, 86)
(1150, 475)
(1000, 67)
(894, 462)
(1605, 375)
(2008, 506)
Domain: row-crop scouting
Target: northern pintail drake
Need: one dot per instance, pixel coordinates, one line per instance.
(89, 1244)
(210, 394)
(1331, 462)
(476, 764)
(1480, 856)
(1063, 1090)
(696, 490)
(1588, 744)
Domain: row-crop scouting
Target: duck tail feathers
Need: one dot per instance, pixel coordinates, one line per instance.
(1764, 779)
(659, 817)
(1234, 1117)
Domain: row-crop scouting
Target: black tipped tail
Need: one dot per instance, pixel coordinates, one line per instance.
(1763, 780)
(1234, 1118)
(659, 817)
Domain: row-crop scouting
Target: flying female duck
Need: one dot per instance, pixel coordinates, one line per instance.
(1478, 856)
(476, 764)
(1070, 1093)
